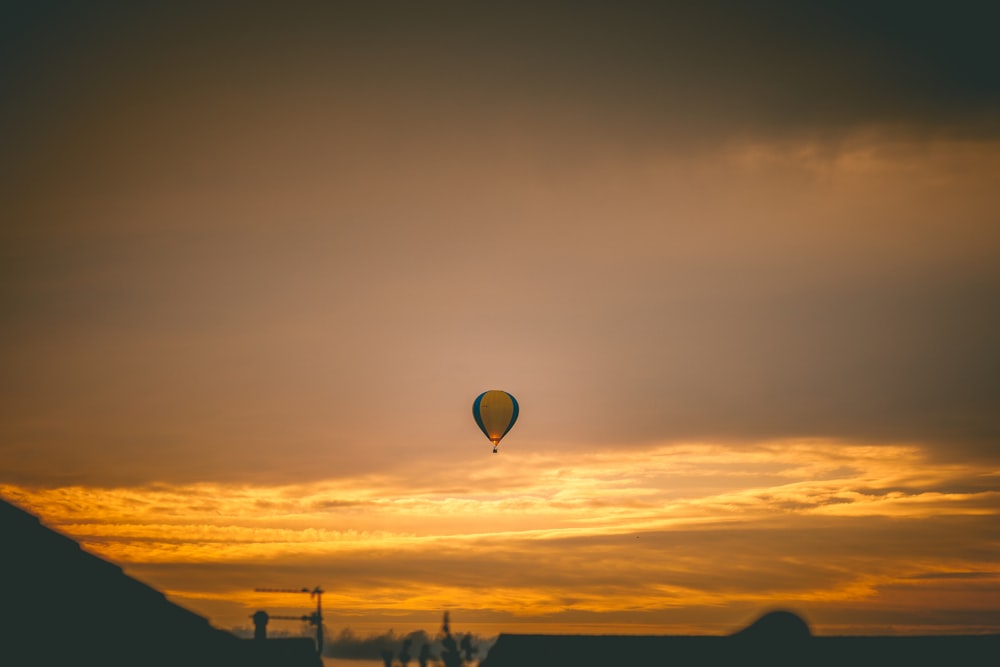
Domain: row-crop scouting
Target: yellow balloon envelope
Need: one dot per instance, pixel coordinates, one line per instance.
(495, 412)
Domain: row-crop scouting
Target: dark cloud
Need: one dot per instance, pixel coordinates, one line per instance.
(633, 66)
(956, 575)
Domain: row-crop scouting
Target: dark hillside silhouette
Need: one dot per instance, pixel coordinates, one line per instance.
(64, 606)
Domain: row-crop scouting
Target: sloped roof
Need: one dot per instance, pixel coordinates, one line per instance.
(60, 605)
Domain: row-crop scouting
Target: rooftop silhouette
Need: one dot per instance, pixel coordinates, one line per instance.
(779, 638)
(65, 606)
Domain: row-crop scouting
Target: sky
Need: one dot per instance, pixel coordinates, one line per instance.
(740, 267)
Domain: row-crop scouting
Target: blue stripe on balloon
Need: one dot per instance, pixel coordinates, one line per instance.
(477, 416)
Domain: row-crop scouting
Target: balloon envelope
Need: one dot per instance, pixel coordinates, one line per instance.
(495, 412)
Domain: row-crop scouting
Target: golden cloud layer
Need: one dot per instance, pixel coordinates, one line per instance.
(546, 537)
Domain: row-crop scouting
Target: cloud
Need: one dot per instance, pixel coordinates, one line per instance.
(711, 68)
(613, 534)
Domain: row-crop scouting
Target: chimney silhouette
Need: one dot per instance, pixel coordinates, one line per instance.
(260, 625)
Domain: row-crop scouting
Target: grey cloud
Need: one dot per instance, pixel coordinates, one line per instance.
(727, 66)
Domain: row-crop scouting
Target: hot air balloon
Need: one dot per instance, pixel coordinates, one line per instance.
(495, 411)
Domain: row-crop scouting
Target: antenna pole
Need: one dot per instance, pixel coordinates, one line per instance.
(316, 618)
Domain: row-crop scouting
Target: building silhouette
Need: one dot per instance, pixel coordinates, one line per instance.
(778, 638)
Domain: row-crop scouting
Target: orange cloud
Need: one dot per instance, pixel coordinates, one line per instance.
(812, 523)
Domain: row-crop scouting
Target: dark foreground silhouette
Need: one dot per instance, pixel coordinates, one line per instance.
(60, 605)
(779, 638)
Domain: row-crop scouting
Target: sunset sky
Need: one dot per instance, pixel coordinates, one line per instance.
(740, 267)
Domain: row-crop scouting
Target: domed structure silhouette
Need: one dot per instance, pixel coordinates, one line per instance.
(777, 625)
